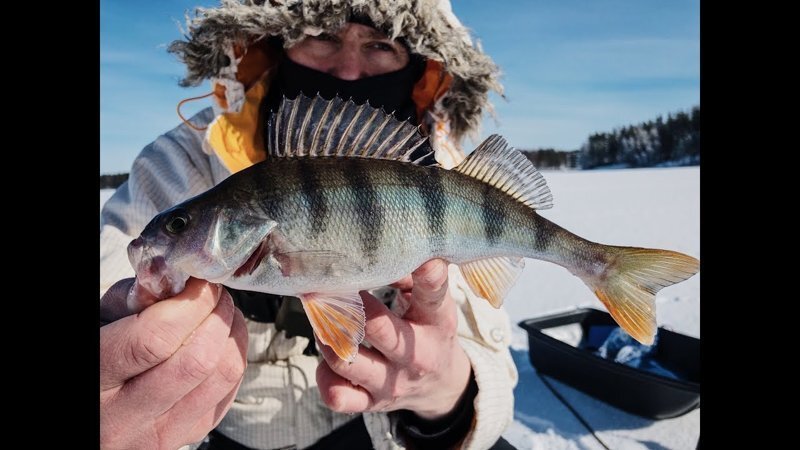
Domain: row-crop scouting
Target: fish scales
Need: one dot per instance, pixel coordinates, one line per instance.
(387, 208)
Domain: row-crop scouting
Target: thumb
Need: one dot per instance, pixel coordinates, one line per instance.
(113, 304)
(429, 292)
(123, 298)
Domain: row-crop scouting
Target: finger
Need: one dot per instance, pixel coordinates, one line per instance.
(212, 418)
(137, 343)
(201, 409)
(113, 305)
(369, 369)
(386, 332)
(429, 292)
(404, 284)
(193, 363)
(339, 394)
(139, 298)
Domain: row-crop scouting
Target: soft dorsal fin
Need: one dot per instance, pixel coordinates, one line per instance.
(315, 127)
(505, 168)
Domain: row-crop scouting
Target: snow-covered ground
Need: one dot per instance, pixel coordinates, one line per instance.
(657, 208)
(105, 194)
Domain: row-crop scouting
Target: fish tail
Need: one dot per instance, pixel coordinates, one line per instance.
(630, 281)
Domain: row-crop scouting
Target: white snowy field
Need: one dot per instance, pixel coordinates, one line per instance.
(105, 194)
(657, 208)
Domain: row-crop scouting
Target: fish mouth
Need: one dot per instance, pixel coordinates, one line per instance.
(259, 254)
(161, 280)
(153, 274)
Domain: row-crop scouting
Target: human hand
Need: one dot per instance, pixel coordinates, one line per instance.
(170, 373)
(415, 363)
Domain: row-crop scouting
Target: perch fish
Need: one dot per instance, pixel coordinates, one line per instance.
(347, 200)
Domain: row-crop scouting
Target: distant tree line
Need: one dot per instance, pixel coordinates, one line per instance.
(675, 141)
(549, 158)
(112, 181)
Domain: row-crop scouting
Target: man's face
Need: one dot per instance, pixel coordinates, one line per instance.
(356, 51)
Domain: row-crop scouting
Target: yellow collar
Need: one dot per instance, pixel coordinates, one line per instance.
(237, 137)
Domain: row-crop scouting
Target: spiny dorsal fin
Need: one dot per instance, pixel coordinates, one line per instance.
(505, 168)
(316, 127)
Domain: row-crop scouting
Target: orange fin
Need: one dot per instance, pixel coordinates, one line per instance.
(492, 278)
(338, 320)
(628, 285)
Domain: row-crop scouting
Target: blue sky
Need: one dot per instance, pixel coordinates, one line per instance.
(570, 68)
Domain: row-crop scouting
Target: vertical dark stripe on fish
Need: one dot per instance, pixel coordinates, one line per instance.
(494, 220)
(271, 204)
(369, 210)
(542, 234)
(314, 196)
(430, 188)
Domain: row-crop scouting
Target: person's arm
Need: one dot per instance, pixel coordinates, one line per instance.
(445, 432)
(426, 364)
(485, 335)
(487, 405)
(169, 373)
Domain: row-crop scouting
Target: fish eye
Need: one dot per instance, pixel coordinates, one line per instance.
(177, 222)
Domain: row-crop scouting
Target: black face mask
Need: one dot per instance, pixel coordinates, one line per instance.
(391, 91)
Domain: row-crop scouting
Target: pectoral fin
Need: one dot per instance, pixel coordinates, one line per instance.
(252, 263)
(492, 278)
(319, 263)
(338, 320)
(294, 261)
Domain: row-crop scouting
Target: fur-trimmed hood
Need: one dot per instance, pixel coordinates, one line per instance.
(428, 27)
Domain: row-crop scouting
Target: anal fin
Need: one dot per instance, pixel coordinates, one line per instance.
(338, 320)
(492, 278)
